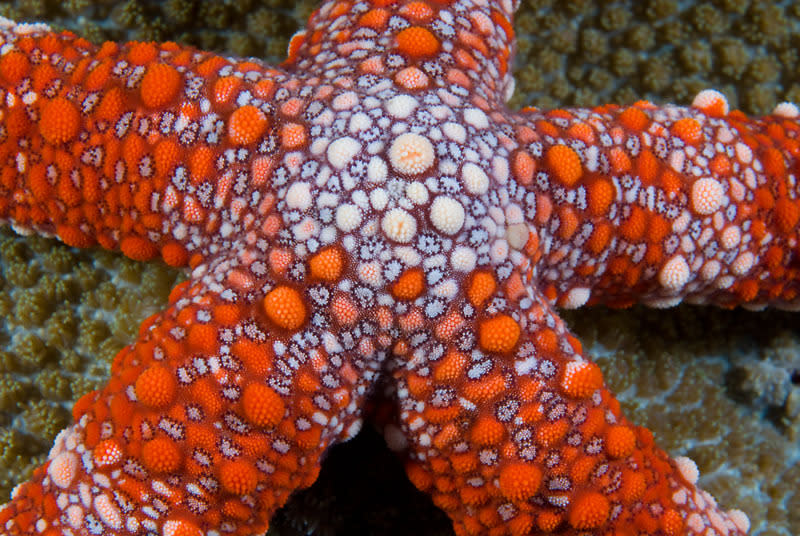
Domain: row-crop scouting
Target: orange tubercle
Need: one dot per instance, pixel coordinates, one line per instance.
(564, 163)
(450, 366)
(293, 135)
(620, 441)
(246, 125)
(417, 11)
(688, 130)
(672, 523)
(409, 285)
(155, 387)
(487, 431)
(499, 334)
(550, 434)
(633, 486)
(417, 41)
(174, 254)
(327, 265)
(581, 379)
(601, 195)
(60, 120)
(14, 66)
(787, 214)
(588, 510)
(181, 528)
(238, 477)
(481, 287)
(633, 118)
(202, 338)
(285, 307)
(160, 85)
(520, 481)
(256, 357)
(548, 521)
(141, 53)
(138, 248)
(375, 19)
(107, 453)
(262, 405)
(161, 455)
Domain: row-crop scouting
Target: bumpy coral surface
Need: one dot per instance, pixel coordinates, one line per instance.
(585, 53)
(65, 314)
(431, 211)
(673, 371)
(260, 28)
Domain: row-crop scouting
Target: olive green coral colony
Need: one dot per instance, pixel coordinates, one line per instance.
(695, 370)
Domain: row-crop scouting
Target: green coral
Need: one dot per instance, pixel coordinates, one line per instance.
(31, 352)
(33, 307)
(44, 419)
(12, 391)
(696, 58)
(15, 455)
(75, 7)
(66, 314)
(657, 10)
(658, 49)
(245, 27)
(32, 8)
(53, 385)
(179, 11)
(19, 274)
(676, 381)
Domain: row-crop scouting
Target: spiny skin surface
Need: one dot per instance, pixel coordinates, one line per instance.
(370, 210)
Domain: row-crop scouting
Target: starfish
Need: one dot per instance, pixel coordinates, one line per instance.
(366, 217)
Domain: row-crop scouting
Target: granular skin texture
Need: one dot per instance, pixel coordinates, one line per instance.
(695, 369)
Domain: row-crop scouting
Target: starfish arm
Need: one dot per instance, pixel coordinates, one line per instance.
(660, 204)
(221, 408)
(509, 427)
(417, 45)
(136, 147)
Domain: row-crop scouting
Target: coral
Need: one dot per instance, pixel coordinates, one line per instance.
(769, 380)
(53, 385)
(44, 419)
(12, 391)
(61, 328)
(713, 43)
(31, 352)
(254, 27)
(696, 355)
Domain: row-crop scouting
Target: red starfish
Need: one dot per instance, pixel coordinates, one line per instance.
(371, 210)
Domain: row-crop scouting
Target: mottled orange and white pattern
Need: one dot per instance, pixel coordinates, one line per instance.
(370, 210)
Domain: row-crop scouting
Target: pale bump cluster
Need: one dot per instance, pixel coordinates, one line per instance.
(422, 177)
